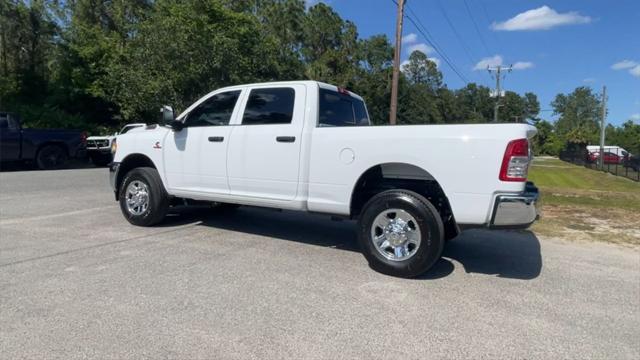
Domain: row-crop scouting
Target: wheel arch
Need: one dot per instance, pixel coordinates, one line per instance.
(401, 175)
(129, 163)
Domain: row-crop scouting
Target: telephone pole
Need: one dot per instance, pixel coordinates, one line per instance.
(498, 69)
(602, 126)
(396, 64)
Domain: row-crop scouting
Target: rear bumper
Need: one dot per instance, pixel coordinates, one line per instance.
(114, 167)
(516, 211)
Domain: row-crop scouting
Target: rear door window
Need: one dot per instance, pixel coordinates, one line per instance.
(269, 106)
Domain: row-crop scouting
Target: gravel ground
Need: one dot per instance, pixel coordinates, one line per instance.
(77, 281)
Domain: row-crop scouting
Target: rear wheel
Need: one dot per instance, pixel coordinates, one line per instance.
(401, 233)
(51, 157)
(143, 199)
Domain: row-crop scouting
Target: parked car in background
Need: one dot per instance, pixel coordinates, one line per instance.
(99, 147)
(309, 146)
(618, 151)
(609, 157)
(48, 148)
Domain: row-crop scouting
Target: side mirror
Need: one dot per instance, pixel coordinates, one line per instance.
(167, 114)
(176, 125)
(169, 119)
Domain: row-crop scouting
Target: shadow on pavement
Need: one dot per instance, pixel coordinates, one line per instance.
(507, 254)
(31, 166)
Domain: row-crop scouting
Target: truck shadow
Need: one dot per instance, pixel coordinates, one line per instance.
(506, 254)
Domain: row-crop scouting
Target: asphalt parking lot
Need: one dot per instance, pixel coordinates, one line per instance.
(77, 281)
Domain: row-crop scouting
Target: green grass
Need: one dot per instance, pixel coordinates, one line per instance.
(562, 183)
(585, 204)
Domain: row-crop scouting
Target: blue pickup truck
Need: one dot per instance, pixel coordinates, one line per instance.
(47, 148)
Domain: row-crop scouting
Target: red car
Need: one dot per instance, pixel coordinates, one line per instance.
(609, 157)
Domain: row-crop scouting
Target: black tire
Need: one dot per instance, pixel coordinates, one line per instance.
(158, 199)
(51, 157)
(101, 160)
(428, 221)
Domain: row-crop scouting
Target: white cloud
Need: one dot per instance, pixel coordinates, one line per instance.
(542, 18)
(422, 47)
(521, 65)
(589, 80)
(497, 60)
(410, 38)
(624, 64)
(490, 61)
(632, 66)
(635, 116)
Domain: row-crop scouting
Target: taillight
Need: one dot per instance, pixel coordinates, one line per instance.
(83, 137)
(515, 163)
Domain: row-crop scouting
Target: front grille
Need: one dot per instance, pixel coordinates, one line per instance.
(94, 144)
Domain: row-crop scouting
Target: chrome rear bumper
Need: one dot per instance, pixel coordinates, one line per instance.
(516, 211)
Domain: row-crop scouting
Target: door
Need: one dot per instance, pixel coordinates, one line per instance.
(10, 137)
(264, 152)
(196, 156)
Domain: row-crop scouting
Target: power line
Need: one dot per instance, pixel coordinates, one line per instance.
(453, 28)
(457, 34)
(444, 57)
(427, 36)
(487, 17)
(475, 25)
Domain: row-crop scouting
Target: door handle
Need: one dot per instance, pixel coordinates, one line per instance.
(216, 138)
(287, 139)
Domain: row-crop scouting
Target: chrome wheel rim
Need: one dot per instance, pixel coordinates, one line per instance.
(137, 197)
(395, 234)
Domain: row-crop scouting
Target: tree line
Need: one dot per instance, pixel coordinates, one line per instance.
(97, 64)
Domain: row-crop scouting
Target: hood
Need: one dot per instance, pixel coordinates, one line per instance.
(100, 138)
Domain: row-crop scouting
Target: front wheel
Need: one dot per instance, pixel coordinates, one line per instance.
(400, 233)
(143, 199)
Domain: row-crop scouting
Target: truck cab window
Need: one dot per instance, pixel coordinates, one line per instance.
(269, 106)
(215, 111)
(338, 109)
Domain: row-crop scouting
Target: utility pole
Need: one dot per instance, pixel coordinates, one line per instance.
(498, 69)
(602, 126)
(396, 64)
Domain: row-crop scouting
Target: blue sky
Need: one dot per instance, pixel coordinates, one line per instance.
(556, 45)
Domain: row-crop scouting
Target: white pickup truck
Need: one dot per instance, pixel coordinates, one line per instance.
(309, 146)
